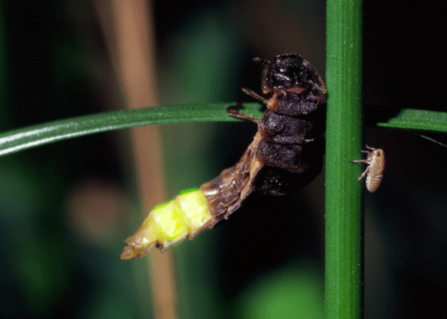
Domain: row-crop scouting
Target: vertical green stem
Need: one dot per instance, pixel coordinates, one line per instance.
(344, 195)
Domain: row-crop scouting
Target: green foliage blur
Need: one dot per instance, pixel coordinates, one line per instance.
(65, 208)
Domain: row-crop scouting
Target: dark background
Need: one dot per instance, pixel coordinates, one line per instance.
(64, 207)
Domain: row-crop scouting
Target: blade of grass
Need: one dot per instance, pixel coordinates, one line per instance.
(41, 134)
(418, 120)
(344, 199)
(21, 139)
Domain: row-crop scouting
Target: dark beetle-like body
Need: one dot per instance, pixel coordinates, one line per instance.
(287, 152)
(285, 155)
(290, 71)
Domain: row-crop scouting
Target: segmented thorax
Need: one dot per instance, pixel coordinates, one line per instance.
(292, 127)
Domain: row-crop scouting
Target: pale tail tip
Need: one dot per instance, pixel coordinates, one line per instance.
(130, 252)
(127, 253)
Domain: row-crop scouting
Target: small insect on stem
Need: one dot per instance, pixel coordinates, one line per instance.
(376, 166)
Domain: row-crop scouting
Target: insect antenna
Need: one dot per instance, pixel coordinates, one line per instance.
(428, 138)
(260, 61)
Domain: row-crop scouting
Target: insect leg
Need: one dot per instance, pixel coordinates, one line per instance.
(368, 147)
(255, 95)
(364, 173)
(233, 111)
(360, 161)
(366, 152)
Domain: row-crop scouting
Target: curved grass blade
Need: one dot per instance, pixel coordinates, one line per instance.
(21, 139)
(418, 120)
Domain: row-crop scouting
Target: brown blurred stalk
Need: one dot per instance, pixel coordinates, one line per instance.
(128, 28)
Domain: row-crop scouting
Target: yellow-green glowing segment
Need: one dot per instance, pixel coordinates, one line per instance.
(170, 223)
(195, 208)
(167, 222)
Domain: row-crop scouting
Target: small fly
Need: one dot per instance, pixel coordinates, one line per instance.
(376, 166)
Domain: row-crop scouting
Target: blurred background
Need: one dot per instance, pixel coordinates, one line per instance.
(65, 208)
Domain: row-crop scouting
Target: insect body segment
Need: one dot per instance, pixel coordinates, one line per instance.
(376, 166)
(170, 223)
(285, 155)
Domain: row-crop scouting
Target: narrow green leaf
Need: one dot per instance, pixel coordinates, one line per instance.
(418, 120)
(21, 139)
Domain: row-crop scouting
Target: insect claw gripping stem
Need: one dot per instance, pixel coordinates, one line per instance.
(286, 154)
(233, 111)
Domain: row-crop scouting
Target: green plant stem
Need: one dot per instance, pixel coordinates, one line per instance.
(344, 195)
(21, 139)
